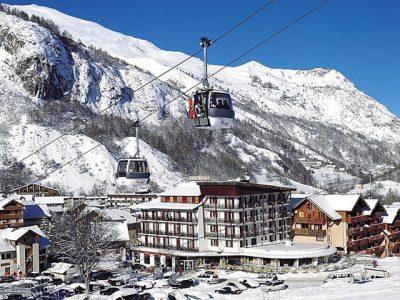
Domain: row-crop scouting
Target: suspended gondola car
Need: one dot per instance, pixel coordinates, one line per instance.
(133, 172)
(210, 108)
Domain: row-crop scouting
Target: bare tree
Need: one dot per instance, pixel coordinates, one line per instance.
(80, 237)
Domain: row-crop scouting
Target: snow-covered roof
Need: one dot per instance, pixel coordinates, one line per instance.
(118, 215)
(325, 205)
(342, 202)
(45, 210)
(371, 204)
(4, 202)
(157, 204)
(59, 200)
(391, 213)
(186, 189)
(60, 268)
(5, 246)
(20, 232)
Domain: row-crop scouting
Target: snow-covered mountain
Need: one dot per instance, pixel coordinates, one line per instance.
(288, 120)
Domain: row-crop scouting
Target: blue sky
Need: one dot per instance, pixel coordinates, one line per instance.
(360, 38)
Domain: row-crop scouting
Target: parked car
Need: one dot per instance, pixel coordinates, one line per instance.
(100, 275)
(182, 284)
(144, 285)
(228, 290)
(237, 285)
(125, 294)
(262, 278)
(250, 283)
(138, 267)
(166, 279)
(275, 285)
(7, 278)
(209, 278)
(109, 291)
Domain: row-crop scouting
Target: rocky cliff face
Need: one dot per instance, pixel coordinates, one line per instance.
(287, 120)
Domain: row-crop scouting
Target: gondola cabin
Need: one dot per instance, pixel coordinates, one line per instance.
(211, 109)
(133, 172)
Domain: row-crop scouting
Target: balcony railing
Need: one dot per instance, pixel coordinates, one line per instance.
(375, 250)
(11, 216)
(357, 219)
(309, 220)
(376, 239)
(190, 249)
(169, 219)
(224, 221)
(223, 235)
(394, 235)
(173, 234)
(309, 232)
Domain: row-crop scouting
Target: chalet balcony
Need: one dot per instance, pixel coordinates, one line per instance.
(358, 243)
(376, 239)
(298, 220)
(210, 206)
(375, 250)
(309, 232)
(13, 207)
(394, 235)
(11, 216)
(353, 231)
(357, 219)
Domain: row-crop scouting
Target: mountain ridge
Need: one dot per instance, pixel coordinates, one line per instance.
(316, 114)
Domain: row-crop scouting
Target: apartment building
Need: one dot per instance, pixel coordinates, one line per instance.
(210, 221)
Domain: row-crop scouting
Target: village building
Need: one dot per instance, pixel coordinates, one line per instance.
(36, 190)
(392, 229)
(220, 223)
(347, 222)
(11, 212)
(23, 250)
(128, 199)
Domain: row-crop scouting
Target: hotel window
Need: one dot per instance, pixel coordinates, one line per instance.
(214, 242)
(301, 214)
(213, 201)
(213, 214)
(229, 244)
(189, 200)
(213, 228)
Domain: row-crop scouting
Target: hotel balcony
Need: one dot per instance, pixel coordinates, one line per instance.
(223, 235)
(223, 221)
(170, 234)
(169, 220)
(157, 246)
(309, 232)
(303, 220)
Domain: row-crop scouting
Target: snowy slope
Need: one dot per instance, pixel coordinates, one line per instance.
(315, 114)
(319, 94)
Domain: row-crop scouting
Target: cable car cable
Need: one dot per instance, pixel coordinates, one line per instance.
(139, 88)
(292, 23)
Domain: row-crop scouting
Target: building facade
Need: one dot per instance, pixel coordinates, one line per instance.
(210, 221)
(347, 222)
